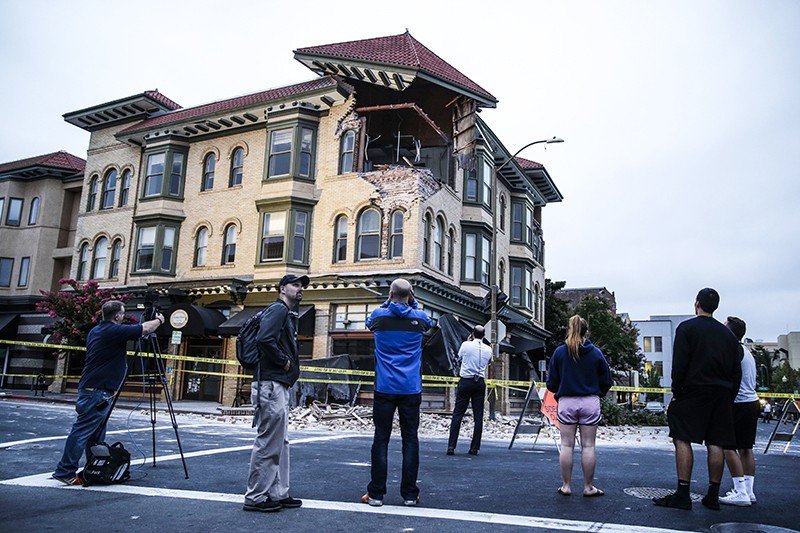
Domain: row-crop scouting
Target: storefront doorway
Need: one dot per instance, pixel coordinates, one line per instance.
(198, 384)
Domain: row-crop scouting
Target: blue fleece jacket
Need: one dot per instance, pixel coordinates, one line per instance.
(398, 330)
(588, 376)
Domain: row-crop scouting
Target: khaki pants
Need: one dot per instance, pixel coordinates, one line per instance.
(269, 461)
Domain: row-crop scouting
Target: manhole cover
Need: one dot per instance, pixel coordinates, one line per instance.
(738, 527)
(648, 493)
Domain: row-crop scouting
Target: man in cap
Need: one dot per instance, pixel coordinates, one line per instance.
(268, 481)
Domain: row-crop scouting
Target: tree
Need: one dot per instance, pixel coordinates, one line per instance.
(77, 310)
(556, 315)
(764, 368)
(617, 339)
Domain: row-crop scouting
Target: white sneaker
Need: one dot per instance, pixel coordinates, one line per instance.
(733, 497)
(752, 498)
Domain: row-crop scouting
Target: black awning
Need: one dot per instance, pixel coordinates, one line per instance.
(522, 344)
(200, 321)
(305, 323)
(8, 325)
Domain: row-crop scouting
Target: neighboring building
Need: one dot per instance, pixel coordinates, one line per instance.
(378, 168)
(656, 338)
(790, 345)
(574, 297)
(39, 204)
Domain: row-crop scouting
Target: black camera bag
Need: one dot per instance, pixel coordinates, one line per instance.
(108, 465)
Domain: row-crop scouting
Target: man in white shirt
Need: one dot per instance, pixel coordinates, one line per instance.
(474, 355)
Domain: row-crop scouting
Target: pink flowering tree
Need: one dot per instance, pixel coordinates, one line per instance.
(77, 310)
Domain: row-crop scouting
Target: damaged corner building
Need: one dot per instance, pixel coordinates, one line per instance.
(378, 167)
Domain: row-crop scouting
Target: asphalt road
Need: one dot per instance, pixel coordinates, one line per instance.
(499, 490)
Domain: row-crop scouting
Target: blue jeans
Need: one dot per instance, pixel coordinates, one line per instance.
(468, 391)
(92, 407)
(383, 409)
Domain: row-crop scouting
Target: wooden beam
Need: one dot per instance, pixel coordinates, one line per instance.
(238, 120)
(251, 117)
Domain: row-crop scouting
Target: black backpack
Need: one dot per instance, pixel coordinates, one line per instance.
(108, 465)
(247, 350)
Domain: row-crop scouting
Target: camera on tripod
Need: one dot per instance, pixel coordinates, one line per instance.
(151, 308)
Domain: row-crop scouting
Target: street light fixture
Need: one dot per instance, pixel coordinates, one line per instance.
(493, 277)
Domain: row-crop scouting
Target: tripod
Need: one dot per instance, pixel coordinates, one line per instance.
(154, 379)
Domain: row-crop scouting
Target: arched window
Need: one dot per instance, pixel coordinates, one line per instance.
(109, 189)
(92, 194)
(209, 164)
(396, 239)
(340, 239)
(501, 275)
(451, 239)
(99, 259)
(237, 166)
(83, 260)
(125, 188)
(116, 252)
(200, 247)
(438, 244)
(426, 240)
(33, 216)
(369, 234)
(229, 245)
(348, 145)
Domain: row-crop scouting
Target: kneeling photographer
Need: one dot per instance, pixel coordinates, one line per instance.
(103, 374)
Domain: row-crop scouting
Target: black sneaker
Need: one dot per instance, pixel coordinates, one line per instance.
(712, 504)
(290, 503)
(675, 503)
(69, 480)
(473, 452)
(451, 451)
(267, 506)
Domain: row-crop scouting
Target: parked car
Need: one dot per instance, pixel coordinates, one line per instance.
(654, 407)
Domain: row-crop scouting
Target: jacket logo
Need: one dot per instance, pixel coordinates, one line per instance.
(414, 323)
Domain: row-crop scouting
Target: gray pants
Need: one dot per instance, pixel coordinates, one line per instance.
(269, 461)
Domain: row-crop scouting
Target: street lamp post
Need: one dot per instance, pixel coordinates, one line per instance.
(493, 275)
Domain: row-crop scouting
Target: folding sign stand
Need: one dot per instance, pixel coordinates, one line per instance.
(533, 422)
(790, 407)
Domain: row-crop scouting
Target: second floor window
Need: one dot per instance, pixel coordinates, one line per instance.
(164, 175)
(273, 232)
(156, 248)
(426, 239)
(14, 215)
(438, 244)
(125, 188)
(472, 186)
(280, 152)
(229, 245)
(487, 185)
(99, 259)
(237, 167)
(470, 256)
(116, 253)
(83, 261)
(154, 180)
(91, 199)
(369, 235)
(24, 270)
(340, 239)
(109, 190)
(200, 247)
(396, 240)
(300, 237)
(209, 165)
(6, 266)
(486, 254)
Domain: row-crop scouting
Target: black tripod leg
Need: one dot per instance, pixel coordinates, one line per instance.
(152, 386)
(168, 398)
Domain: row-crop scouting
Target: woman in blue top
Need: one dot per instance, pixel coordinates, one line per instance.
(578, 377)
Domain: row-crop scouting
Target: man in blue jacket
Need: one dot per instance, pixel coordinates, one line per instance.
(398, 326)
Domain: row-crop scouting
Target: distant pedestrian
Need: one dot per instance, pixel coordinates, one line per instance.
(474, 355)
(706, 372)
(767, 413)
(579, 376)
(746, 408)
(268, 478)
(398, 326)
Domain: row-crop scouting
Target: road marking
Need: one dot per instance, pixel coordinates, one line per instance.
(45, 481)
(63, 437)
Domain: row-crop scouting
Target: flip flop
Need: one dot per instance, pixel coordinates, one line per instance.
(596, 493)
(561, 491)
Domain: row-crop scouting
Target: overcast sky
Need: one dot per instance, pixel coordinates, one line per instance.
(681, 118)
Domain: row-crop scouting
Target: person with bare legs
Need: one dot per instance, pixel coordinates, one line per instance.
(579, 376)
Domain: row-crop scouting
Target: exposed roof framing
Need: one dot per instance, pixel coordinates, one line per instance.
(413, 106)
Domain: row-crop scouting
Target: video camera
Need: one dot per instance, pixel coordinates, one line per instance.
(151, 308)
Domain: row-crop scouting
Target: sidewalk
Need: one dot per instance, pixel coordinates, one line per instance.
(181, 406)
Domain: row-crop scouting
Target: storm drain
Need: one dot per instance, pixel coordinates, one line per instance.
(648, 493)
(738, 527)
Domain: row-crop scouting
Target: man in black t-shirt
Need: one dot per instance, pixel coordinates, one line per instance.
(706, 372)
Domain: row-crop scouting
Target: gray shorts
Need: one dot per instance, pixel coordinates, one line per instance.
(583, 410)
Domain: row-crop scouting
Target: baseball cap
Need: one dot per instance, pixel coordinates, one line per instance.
(291, 278)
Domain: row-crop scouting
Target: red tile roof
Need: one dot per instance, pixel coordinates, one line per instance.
(402, 50)
(233, 103)
(60, 159)
(160, 98)
(527, 164)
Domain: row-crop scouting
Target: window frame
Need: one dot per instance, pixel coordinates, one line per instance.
(10, 262)
(209, 169)
(91, 196)
(12, 201)
(116, 256)
(340, 239)
(360, 235)
(396, 234)
(346, 151)
(482, 240)
(438, 243)
(160, 227)
(83, 262)
(234, 175)
(33, 211)
(167, 175)
(291, 253)
(108, 194)
(24, 268)
(296, 151)
(229, 238)
(197, 247)
(100, 245)
(125, 187)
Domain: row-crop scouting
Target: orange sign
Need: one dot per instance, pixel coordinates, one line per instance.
(550, 407)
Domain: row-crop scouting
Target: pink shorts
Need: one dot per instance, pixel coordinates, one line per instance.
(583, 410)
